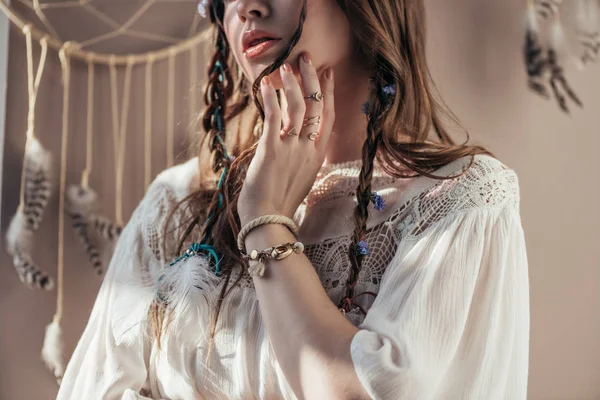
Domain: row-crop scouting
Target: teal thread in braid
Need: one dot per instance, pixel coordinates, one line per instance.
(219, 67)
(202, 245)
(195, 249)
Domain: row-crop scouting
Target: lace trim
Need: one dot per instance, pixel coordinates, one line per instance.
(487, 184)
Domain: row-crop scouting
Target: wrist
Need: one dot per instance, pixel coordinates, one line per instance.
(268, 235)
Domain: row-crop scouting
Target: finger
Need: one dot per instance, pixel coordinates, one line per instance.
(295, 103)
(311, 85)
(328, 118)
(272, 123)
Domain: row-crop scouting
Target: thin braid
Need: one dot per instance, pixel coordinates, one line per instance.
(376, 108)
(218, 90)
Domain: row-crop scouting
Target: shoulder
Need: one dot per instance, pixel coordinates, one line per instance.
(162, 196)
(488, 182)
(177, 180)
(485, 185)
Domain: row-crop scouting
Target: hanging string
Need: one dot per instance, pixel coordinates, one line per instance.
(193, 82)
(66, 75)
(115, 122)
(148, 124)
(32, 87)
(170, 108)
(119, 134)
(85, 176)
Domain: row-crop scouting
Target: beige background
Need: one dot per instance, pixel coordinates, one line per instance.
(475, 54)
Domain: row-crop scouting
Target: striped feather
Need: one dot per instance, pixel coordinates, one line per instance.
(533, 53)
(38, 187)
(81, 231)
(80, 201)
(105, 227)
(30, 274)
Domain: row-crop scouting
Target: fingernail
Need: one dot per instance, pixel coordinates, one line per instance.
(266, 81)
(286, 67)
(329, 73)
(306, 58)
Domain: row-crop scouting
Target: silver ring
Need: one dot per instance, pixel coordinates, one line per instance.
(314, 123)
(318, 96)
(313, 136)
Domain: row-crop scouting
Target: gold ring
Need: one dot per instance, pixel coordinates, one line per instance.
(313, 136)
(291, 132)
(314, 123)
(317, 117)
(318, 96)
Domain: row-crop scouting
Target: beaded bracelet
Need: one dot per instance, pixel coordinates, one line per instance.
(278, 252)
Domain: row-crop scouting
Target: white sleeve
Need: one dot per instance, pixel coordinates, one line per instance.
(451, 319)
(111, 357)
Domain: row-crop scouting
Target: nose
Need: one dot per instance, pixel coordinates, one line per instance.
(252, 9)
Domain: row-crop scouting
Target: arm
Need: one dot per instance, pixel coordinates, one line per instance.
(454, 302)
(310, 336)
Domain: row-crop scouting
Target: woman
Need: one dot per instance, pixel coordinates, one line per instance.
(421, 295)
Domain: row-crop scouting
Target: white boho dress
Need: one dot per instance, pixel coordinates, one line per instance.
(448, 261)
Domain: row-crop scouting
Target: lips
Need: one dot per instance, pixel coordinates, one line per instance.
(256, 39)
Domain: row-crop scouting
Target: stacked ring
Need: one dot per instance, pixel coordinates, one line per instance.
(308, 122)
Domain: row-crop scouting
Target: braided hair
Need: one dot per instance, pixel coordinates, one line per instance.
(390, 34)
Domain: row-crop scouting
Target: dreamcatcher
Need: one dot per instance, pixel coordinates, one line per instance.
(80, 202)
(548, 46)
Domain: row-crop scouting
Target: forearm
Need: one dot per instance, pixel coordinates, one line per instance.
(309, 335)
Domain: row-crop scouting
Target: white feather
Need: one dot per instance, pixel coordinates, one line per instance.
(53, 350)
(81, 200)
(18, 235)
(189, 288)
(38, 156)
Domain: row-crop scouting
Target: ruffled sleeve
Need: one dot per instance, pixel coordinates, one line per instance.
(112, 356)
(451, 320)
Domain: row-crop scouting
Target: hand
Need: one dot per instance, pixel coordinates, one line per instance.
(285, 167)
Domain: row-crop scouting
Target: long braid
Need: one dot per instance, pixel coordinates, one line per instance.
(375, 109)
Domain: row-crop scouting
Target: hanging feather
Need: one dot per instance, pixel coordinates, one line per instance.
(37, 183)
(27, 219)
(80, 202)
(547, 62)
(557, 56)
(30, 274)
(19, 236)
(535, 60)
(107, 229)
(53, 350)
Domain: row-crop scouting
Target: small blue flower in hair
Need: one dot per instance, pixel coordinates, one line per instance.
(389, 90)
(378, 201)
(365, 107)
(362, 248)
(203, 8)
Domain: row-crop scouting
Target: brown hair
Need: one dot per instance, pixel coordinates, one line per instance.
(391, 36)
